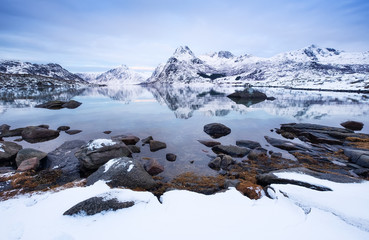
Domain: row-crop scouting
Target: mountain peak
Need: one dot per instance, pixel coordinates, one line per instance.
(223, 54)
(183, 50)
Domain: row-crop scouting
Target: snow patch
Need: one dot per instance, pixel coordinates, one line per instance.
(99, 143)
(130, 167)
(1, 148)
(109, 164)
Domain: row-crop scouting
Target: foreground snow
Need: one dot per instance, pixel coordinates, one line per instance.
(306, 214)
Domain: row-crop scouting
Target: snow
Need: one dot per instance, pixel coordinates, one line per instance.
(99, 143)
(109, 164)
(1, 148)
(305, 214)
(130, 167)
(114, 161)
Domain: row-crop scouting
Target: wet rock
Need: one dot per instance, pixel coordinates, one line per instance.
(222, 161)
(156, 145)
(123, 172)
(72, 104)
(33, 134)
(288, 135)
(231, 150)
(63, 128)
(248, 93)
(8, 152)
(283, 144)
(28, 153)
(216, 130)
(134, 148)
(29, 164)
(276, 155)
(97, 152)
(96, 205)
(248, 143)
(209, 143)
(257, 153)
(153, 167)
(59, 105)
(107, 132)
(215, 163)
(72, 132)
(63, 158)
(171, 157)
(146, 140)
(130, 140)
(44, 126)
(357, 156)
(353, 125)
(6, 132)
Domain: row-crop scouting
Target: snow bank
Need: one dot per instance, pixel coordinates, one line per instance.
(306, 214)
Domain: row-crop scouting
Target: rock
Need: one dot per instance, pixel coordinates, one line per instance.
(29, 164)
(44, 126)
(34, 134)
(6, 132)
(156, 145)
(288, 135)
(276, 155)
(216, 130)
(248, 93)
(231, 183)
(358, 156)
(63, 158)
(123, 172)
(363, 172)
(283, 144)
(146, 140)
(171, 157)
(71, 104)
(248, 143)
(107, 132)
(63, 128)
(271, 178)
(97, 152)
(6, 170)
(28, 153)
(134, 148)
(215, 163)
(209, 143)
(8, 152)
(250, 190)
(72, 132)
(96, 205)
(128, 140)
(231, 150)
(258, 153)
(222, 161)
(153, 167)
(353, 125)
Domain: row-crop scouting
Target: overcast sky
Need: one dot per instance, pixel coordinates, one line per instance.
(91, 35)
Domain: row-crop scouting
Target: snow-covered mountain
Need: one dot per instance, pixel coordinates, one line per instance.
(311, 67)
(51, 70)
(115, 77)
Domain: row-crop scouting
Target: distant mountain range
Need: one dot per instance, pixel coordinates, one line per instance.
(308, 68)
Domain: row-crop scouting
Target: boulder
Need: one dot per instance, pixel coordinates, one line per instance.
(8, 152)
(128, 140)
(134, 148)
(285, 145)
(209, 143)
(146, 140)
(358, 156)
(231, 150)
(216, 130)
(33, 134)
(63, 128)
(153, 167)
(156, 145)
(257, 153)
(72, 132)
(44, 126)
(96, 205)
(97, 152)
(29, 164)
(28, 153)
(248, 143)
(123, 172)
(248, 93)
(171, 157)
(222, 161)
(63, 158)
(215, 163)
(353, 125)
(6, 132)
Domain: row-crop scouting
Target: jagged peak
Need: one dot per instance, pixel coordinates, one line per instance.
(183, 50)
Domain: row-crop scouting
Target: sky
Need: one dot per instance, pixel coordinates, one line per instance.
(94, 36)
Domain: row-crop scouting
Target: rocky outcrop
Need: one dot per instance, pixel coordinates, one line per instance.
(28, 153)
(123, 172)
(59, 105)
(231, 150)
(358, 156)
(216, 130)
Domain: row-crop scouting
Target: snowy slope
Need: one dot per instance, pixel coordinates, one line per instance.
(115, 77)
(310, 67)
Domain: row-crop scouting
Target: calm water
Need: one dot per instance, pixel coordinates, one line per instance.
(176, 115)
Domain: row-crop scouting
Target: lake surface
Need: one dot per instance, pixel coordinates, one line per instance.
(176, 115)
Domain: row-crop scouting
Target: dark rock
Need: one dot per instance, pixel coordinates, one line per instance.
(44, 126)
(215, 163)
(353, 125)
(358, 156)
(276, 155)
(248, 93)
(146, 140)
(271, 178)
(29, 164)
(257, 153)
(209, 143)
(363, 172)
(134, 148)
(248, 143)
(71, 104)
(107, 132)
(28, 153)
(283, 144)
(72, 132)
(63, 128)
(216, 130)
(153, 167)
(63, 158)
(18, 140)
(8, 152)
(171, 157)
(6, 170)
(98, 152)
(192, 161)
(6, 132)
(222, 161)
(123, 172)
(231, 183)
(96, 205)
(288, 135)
(130, 140)
(231, 150)
(156, 145)
(34, 134)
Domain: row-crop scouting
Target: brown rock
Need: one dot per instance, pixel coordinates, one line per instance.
(153, 167)
(171, 157)
(209, 143)
(353, 125)
(251, 190)
(28, 153)
(72, 132)
(29, 164)
(156, 145)
(34, 134)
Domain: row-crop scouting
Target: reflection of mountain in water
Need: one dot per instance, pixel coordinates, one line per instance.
(125, 94)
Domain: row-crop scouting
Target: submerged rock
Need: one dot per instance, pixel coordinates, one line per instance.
(146, 140)
(248, 93)
(216, 130)
(72, 132)
(353, 125)
(248, 143)
(63, 128)
(171, 157)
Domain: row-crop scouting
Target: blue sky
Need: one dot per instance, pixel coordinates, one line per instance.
(90, 35)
